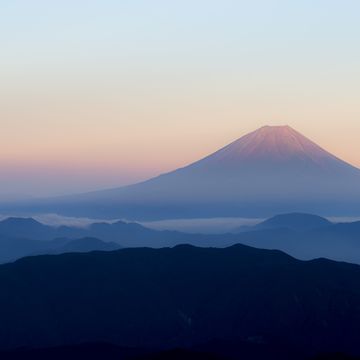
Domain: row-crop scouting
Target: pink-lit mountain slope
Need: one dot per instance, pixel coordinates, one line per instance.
(272, 170)
(276, 146)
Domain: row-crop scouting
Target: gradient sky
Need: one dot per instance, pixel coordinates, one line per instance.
(100, 93)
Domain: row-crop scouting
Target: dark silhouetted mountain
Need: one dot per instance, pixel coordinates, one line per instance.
(232, 351)
(180, 297)
(215, 350)
(294, 221)
(107, 352)
(272, 170)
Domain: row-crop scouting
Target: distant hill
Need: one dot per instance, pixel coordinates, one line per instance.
(274, 169)
(26, 228)
(294, 221)
(21, 237)
(181, 297)
(18, 227)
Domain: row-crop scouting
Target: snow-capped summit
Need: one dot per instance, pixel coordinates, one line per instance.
(279, 146)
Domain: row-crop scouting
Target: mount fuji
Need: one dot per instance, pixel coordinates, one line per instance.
(274, 169)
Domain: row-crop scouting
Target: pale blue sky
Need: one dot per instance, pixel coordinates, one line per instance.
(128, 89)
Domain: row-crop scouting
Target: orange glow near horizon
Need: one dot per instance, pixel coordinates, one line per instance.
(128, 90)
